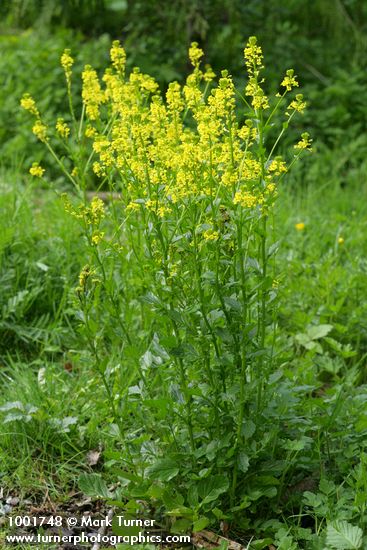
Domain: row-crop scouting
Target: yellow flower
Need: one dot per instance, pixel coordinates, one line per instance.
(90, 132)
(97, 209)
(174, 97)
(97, 237)
(118, 56)
(247, 132)
(133, 206)
(253, 55)
(270, 188)
(340, 240)
(195, 54)
(40, 130)
(163, 210)
(211, 235)
(98, 169)
(304, 143)
(289, 81)
(66, 63)
(92, 93)
(28, 103)
(62, 128)
(209, 74)
(297, 104)
(245, 199)
(300, 226)
(36, 170)
(254, 90)
(278, 166)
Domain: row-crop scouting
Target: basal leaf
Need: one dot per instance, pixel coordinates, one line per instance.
(344, 536)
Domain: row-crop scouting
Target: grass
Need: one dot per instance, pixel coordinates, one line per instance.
(316, 420)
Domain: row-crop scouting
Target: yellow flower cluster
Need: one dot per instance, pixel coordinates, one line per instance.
(297, 105)
(305, 142)
(195, 54)
(97, 237)
(211, 235)
(28, 103)
(92, 93)
(289, 81)
(66, 63)
(118, 56)
(85, 273)
(185, 147)
(163, 161)
(40, 130)
(277, 166)
(36, 170)
(97, 210)
(247, 199)
(92, 215)
(253, 60)
(253, 55)
(62, 128)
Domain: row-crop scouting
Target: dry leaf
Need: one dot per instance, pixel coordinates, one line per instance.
(210, 541)
(93, 457)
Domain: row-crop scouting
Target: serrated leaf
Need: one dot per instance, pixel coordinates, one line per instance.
(93, 485)
(11, 405)
(11, 417)
(344, 536)
(319, 331)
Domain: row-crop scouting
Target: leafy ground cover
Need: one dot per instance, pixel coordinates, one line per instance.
(155, 357)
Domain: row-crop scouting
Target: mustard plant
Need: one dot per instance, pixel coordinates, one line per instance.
(182, 268)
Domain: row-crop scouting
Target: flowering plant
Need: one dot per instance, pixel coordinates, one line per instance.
(182, 264)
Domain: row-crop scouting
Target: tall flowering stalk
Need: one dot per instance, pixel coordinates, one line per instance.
(181, 258)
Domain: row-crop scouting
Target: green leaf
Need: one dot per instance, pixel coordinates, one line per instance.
(192, 496)
(200, 524)
(163, 470)
(93, 485)
(210, 488)
(261, 543)
(181, 526)
(243, 462)
(248, 429)
(344, 536)
(319, 331)
(11, 405)
(172, 500)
